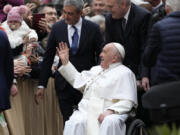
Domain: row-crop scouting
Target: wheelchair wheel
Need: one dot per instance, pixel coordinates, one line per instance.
(137, 127)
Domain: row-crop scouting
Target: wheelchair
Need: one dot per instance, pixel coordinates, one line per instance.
(135, 126)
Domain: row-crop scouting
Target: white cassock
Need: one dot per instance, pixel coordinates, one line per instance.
(113, 88)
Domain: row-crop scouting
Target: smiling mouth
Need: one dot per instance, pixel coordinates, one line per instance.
(102, 59)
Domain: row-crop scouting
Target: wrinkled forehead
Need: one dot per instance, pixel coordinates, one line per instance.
(108, 46)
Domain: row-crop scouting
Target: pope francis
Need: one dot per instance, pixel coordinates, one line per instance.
(109, 93)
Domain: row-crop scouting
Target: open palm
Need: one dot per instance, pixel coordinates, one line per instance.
(63, 52)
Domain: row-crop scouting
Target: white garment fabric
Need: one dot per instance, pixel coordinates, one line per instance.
(113, 88)
(16, 37)
(111, 125)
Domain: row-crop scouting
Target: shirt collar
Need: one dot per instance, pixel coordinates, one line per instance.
(113, 65)
(127, 14)
(77, 25)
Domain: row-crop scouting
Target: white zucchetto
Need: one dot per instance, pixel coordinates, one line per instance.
(120, 49)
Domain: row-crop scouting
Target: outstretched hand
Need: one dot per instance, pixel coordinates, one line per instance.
(63, 53)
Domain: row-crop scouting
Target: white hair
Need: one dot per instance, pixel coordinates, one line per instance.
(98, 19)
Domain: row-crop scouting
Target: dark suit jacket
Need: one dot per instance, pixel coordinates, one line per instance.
(86, 56)
(6, 71)
(134, 37)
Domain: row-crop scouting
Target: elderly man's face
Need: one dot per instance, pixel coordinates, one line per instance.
(106, 56)
(50, 15)
(98, 6)
(118, 10)
(71, 15)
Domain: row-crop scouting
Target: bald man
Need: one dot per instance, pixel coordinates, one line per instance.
(109, 93)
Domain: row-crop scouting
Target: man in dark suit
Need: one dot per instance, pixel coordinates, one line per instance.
(6, 72)
(84, 40)
(128, 24)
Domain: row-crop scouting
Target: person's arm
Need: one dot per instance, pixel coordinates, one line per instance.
(48, 59)
(144, 71)
(68, 71)
(46, 66)
(9, 62)
(153, 47)
(121, 107)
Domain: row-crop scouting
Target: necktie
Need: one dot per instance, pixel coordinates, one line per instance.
(123, 23)
(75, 38)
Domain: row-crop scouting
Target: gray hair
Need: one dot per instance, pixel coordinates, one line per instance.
(174, 5)
(127, 1)
(98, 19)
(77, 3)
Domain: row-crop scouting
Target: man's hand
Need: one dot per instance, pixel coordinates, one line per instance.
(63, 52)
(104, 114)
(14, 90)
(26, 38)
(39, 94)
(139, 85)
(145, 83)
(43, 25)
(22, 70)
(86, 9)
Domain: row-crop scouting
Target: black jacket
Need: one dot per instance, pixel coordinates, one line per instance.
(134, 37)
(163, 49)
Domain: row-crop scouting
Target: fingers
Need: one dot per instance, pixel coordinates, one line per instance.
(145, 83)
(39, 95)
(14, 90)
(36, 99)
(63, 46)
(85, 5)
(101, 118)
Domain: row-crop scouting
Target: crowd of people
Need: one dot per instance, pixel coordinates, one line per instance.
(135, 42)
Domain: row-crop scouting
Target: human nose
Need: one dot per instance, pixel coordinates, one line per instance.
(100, 54)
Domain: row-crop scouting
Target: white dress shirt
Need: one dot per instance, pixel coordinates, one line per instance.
(71, 31)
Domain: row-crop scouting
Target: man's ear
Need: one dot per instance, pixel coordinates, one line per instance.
(115, 59)
(81, 13)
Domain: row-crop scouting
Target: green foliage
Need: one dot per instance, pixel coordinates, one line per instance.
(164, 130)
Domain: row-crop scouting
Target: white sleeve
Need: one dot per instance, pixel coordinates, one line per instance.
(76, 79)
(33, 34)
(122, 106)
(14, 42)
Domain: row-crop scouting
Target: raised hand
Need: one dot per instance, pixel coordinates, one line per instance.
(63, 53)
